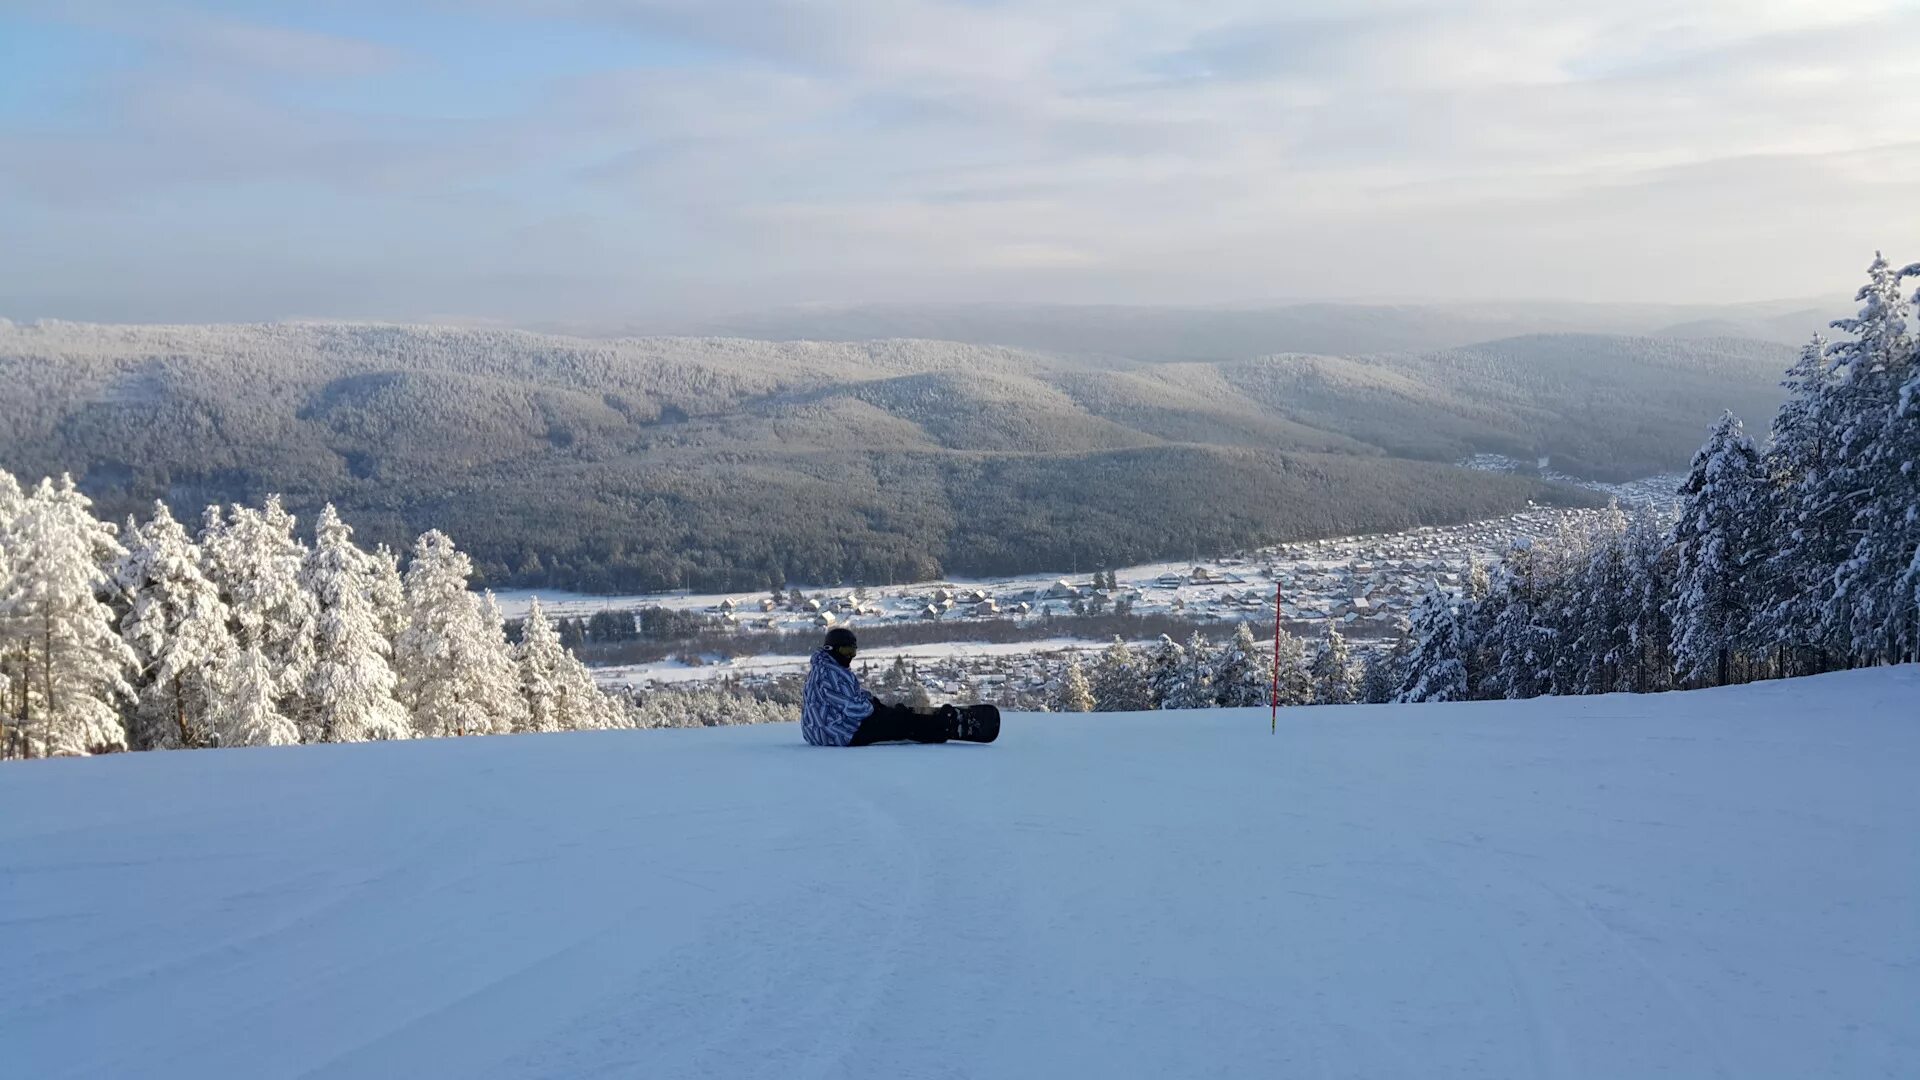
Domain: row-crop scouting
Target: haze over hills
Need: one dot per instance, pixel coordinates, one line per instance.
(1197, 333)
(735, 464)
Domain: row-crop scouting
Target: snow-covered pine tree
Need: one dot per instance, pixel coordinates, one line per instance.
(386, 591)
(1336, 680)
(559, 692)
(1809, 538)
(248, 712)
(498, 674)
(1905, 442)
(1074, 692)
(456, 676)
(1191, 684)
(1296, 674)
(1715, 545)
(1477, 609)
(177, 625)
(1242, 676)
(1517, 642)
(1166, 672)
(897, 681)
(1872, 611)
(13, 675)
(1385, 670)
(1596, 655)
(1479, 580)
(1119, 681)
(349, 695)
(1435, 671)
(1650, 574)
(72, 666)
(256, 560)
(1562, 577)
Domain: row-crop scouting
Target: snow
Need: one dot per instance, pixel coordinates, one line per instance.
(1718, 883)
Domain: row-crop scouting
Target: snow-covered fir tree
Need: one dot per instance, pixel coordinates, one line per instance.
(1190, 684)
(1385, 670)
(1435, 671)
(456, 673)
(1166, 671)
(1856, 498)
(178, 626)
(1074, 692)
(1295, 670)
(1597, 616)
(1242, 675)
(1120, 680)
(1650, 577)
(350, 694)
(1809, 532)
(1336, 679)
(1904, 442)
(1515, 633)
(1872, 612)
(1716, 544)
(255, 559)
(70, 665)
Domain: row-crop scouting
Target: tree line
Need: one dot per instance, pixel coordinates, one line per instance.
(1240, 672)
(1794, 558)
(152, 637)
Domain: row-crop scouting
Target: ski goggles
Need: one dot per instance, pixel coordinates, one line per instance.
(845, 652)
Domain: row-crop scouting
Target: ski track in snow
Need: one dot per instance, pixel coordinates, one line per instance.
(1713, 884)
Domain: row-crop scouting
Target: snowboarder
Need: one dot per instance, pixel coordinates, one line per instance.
(836, 711)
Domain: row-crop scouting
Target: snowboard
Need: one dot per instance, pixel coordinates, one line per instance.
(977, 723)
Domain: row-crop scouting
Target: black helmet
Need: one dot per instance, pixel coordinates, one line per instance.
(843, 646)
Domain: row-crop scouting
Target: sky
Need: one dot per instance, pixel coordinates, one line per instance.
(642, 161)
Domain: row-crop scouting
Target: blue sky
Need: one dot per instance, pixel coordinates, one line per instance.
(611, 162)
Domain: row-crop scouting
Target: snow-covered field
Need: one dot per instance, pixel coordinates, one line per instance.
(1717, 884)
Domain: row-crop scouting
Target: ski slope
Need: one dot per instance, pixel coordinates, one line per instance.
(1717, 884)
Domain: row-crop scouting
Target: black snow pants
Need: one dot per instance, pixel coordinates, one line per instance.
(897, 723)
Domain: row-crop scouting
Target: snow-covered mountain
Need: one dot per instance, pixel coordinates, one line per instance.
(1716, 883)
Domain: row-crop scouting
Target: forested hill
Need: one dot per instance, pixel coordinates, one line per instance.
(728, 463)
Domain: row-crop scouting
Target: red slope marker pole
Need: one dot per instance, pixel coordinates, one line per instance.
(1273, 698)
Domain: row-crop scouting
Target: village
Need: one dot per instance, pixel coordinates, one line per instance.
(1365, 586)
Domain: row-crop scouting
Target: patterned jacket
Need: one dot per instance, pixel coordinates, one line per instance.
(833, 705)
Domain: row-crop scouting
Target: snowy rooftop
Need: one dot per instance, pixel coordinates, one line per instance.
(1720, 883)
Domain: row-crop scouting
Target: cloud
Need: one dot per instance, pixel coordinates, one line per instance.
(276, 50)
(792, 150)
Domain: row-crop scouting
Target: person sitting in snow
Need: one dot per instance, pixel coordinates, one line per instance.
(836, 711)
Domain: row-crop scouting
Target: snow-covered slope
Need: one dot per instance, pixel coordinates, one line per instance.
(1724, 883)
